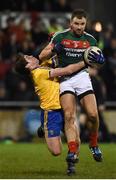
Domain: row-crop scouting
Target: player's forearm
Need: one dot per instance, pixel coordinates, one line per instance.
(46, 53)
(67, 70)
(75, 67)
(57, 72)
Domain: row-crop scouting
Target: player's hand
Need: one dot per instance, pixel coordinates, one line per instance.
(58, 48)
(96, 57)
(32, 62)
(40, 132)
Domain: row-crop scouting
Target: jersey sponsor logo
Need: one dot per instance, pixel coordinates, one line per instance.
(75, 44)
(74, 50)
(75, 55)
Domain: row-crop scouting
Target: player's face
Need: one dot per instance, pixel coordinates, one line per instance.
(32, 62)
(78, 25)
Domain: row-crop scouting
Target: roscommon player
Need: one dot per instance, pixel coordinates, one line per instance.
(47, 88)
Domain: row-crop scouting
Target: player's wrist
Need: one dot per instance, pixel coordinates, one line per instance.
(86, 64)
(39, 59)
(54, 50)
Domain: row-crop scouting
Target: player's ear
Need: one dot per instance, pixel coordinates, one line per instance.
(70, 26)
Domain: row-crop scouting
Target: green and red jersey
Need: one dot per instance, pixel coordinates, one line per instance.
(74, 46)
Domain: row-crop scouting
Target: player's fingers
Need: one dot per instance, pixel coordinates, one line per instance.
(29, 66)
(91, 57)
(93, 53)
(99, 51)
(28, 58)
(91, 60)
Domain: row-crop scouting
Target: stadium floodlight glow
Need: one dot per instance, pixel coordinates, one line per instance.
(98, 27)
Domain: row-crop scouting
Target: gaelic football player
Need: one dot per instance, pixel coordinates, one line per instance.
(69, 45)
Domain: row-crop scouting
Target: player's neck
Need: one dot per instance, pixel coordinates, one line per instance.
(35, 67)
(76, 35)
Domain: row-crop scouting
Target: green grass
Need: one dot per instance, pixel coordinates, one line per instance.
(33, 161)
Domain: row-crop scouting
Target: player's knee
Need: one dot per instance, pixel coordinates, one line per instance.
(93, 117)
(56, 152)
(69, 116)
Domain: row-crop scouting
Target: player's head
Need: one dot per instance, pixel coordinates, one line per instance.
(78, 21)
(20, 64)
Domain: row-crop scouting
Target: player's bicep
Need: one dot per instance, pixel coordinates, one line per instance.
(49, 47)
(55, 39)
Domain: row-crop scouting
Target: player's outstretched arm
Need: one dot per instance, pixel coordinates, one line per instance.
(32, 63)
(49, 50)
(67, 70)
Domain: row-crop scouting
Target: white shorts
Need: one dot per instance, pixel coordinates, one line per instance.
(79, 84)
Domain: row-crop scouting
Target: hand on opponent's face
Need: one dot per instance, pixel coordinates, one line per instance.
(32, 62)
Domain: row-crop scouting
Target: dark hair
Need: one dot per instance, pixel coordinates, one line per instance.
(20, 64)
(79, 13)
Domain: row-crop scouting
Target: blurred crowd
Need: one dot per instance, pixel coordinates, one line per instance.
(28, 32)
(37, 5)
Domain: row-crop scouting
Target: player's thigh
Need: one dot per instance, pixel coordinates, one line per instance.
(53, 124)
(67, 95)
(68, 102)
(83, 85)
(89, 104)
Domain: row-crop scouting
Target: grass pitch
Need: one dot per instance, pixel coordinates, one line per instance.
(33, 161)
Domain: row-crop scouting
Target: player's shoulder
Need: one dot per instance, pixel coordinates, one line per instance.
(89, 36)
(61, 34)
(39, 70)
(40, 73)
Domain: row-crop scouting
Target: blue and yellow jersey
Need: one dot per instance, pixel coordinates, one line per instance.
(47, 89)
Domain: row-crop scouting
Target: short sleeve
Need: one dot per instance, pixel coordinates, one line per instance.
(93, 42)
(56, 38)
